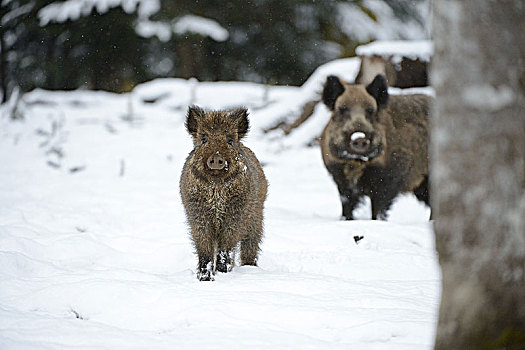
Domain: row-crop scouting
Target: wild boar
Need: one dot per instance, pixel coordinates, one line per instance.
(375, 145)
(223, 189)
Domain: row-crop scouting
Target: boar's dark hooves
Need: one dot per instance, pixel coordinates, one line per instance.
(332, 90)
(378, 88)
(205, 275)
(223, 261)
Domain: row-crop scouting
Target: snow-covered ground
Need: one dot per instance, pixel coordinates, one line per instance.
(95, 251)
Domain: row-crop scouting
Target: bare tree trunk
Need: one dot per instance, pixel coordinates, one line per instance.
(478, 172)
(189, 52)
(3, 62)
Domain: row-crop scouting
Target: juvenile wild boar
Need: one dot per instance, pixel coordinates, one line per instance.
(375, 145)
(223, 190)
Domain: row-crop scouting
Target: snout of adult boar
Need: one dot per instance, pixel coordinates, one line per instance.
(223, 189)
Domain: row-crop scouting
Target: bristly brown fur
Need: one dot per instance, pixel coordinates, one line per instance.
(395, 130)
(224, 207)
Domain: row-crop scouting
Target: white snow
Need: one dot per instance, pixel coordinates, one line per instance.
(416, 49)
(357, 135)
(200, 25)
(427, 90)
(287, 104)
(148, 28)
(345, 68)
(61, 11)
(100, 258)
(385, 26)
(183, 25)
(10, 16)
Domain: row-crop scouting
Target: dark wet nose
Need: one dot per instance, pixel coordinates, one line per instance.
(216, 162)
(359, 142)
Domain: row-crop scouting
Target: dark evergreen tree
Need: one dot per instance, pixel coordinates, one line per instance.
(270, 41)
(17, 33)
(99, 51)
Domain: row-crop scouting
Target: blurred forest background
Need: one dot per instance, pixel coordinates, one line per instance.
(115, 44)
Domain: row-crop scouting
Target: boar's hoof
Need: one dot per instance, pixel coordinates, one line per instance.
(224, 261)
(216, 162)
(205, 275)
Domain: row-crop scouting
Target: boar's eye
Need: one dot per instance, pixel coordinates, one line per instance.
(230, 141)
(370, 113)
(204, 139)
(342, 113)
(344, 109)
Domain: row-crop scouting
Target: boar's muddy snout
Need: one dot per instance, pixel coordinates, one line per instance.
(216, 162)
(359, 142)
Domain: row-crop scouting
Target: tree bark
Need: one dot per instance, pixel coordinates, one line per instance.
(478, 172)
(3, 62)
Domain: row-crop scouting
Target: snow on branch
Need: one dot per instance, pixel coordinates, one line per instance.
(368, 20)
(415, 49)
(147, 29)
(202, 26)
(62, 11)
(16, 13)
(205, 27)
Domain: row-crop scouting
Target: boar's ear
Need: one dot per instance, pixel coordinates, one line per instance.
(332, 90)
(240, 115)
(195, 114)
(378, 88)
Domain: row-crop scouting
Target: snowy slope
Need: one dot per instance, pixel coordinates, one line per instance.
(95, 252)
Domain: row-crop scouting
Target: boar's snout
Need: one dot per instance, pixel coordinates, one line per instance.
(216, 162)
(360, 142)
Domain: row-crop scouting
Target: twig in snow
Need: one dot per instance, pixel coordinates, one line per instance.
(122, 167)
(358, 238)
(77, 315)
(53, 164)
(110, 128)
(76, 169)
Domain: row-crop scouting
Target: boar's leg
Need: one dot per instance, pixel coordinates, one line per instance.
(225, 260)
(382, 198)
(225, 253)
(249, 252)
(385, 184)
(350, 198)
(349, 201)
(381, 202)
(207, 254)
(205, 268)
(250, 245)
(422, 193)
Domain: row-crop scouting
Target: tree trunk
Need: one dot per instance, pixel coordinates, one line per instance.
(478, 172)
(3, 63)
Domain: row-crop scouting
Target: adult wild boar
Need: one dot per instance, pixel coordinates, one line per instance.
(223, 190)
(375, 145)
